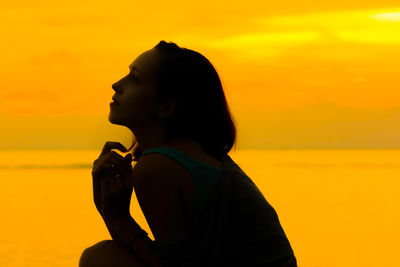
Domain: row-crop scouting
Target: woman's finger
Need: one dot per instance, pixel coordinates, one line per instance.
(119, 180)
(105, 187)
(106, 169)
(100, 168)
(117, 166)
(128, 158)
(124, 161)
(112, 145)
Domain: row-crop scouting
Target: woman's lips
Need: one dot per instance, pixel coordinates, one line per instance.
(113, 104)
(114, 99)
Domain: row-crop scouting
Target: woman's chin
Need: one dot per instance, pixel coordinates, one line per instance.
(114, 120)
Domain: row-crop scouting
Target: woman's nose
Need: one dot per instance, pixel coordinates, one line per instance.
(115, 87)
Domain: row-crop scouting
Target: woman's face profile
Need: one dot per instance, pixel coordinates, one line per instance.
(134, 93)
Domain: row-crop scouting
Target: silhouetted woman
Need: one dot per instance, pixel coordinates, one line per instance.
(201, 207)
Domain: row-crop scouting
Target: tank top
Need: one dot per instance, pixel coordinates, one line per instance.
(205, 176)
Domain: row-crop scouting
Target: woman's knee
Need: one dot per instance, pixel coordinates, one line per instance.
(91, 254)
(108, 253)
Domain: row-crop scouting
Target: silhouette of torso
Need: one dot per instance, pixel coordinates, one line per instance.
(184, 180)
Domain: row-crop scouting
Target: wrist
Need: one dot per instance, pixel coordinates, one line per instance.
(141, 235)
(127, 230)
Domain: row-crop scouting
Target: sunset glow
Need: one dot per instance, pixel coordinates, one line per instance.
(313, 88)
(60, 60)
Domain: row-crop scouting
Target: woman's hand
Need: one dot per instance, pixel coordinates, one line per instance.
(112, 183)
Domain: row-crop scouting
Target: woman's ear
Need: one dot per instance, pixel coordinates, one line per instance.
(167, 108)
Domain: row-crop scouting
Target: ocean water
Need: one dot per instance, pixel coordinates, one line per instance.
(339, 208)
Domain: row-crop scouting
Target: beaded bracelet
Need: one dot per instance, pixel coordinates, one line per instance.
(142, 233)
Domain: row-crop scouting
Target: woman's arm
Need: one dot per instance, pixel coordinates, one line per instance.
(126, 229)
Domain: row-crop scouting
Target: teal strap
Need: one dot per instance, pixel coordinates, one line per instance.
(205, 176)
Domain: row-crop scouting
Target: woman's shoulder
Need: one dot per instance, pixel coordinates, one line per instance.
(162, 166)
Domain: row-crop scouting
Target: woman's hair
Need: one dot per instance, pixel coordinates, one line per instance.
(201, 112)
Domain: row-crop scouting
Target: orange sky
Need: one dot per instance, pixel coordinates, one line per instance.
(296, 75)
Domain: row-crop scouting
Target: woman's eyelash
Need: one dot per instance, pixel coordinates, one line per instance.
(131, 75)
(135, 79)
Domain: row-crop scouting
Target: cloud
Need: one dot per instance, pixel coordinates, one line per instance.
(319, 126)
(244, 41)
(273, 36)
(362, 26)
(390, 17)
(324, 125)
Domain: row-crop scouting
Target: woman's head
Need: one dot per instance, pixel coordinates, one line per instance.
(188, 80)
(134, 98)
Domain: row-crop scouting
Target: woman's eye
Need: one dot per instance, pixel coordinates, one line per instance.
(132, 77)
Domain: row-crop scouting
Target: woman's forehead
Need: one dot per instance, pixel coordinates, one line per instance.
(144, 65)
